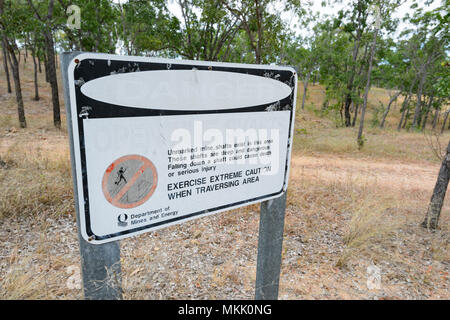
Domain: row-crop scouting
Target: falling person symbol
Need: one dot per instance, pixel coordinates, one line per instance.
(120, 176)
(139, 177)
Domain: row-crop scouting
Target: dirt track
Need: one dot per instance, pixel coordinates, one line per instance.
(395, 175)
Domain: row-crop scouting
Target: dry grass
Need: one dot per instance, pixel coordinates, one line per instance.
(34, 183)
(340, 223)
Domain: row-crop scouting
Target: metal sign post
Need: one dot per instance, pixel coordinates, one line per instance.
(100, 264)
(156, 142)
(270, 243)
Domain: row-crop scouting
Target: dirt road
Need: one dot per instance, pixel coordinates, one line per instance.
(393, 174)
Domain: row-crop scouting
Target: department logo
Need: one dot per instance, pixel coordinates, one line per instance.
(122, 220)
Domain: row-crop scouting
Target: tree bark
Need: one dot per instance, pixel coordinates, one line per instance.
(445, 121)
(405, 108)
(5, 65)
(366, 93)
(418, 109)
(16, 76)
(52, 79)
(305, 87)
(50, 59)
(39, 63)
(36, 87)
(436, 118)
(355, 115)
(437, 199)
(260, 24)
(388, 108)
(425, 119)
(47, 77)
(348, 97)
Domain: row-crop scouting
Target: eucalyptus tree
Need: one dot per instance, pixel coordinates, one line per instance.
(14, 18)
(391, 73)
(262, 23)
(431, 33)
(307, 59)
(208, 30)
(146, 27)
(377, 25)
(382, 10)
(97, 31)
(5, 65)
(442, 90)
(304, 51)
(353, 20)
(44, 13)
(334, 48)
(437, 199)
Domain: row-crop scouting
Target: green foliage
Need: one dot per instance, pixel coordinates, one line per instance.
(147, 27)
(334, 48)
(301, 131)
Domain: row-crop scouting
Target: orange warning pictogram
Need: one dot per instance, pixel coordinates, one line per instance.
(129, 181)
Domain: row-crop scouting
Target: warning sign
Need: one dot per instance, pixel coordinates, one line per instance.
(157, 142)
(129, 181)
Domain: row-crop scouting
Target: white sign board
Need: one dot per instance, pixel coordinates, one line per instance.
(157, 142)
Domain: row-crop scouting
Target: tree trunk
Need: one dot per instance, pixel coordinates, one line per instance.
(360, 140)
(348, 97)
(305, 87)
(436, 118)
(418, 109)
(388, 108)
(36, 87)
(52, 78)
(47, 77)
(259, 26)
(408, 111)
(425, 119)
(437, 199)
(16, 76)
(5, 65)
(402, 117)
(355, 116)
(445, 121)
(39, 63)
(405, 107)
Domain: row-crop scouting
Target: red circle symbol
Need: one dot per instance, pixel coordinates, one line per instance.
(129, 181)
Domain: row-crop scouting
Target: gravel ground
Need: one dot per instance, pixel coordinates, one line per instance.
(215, 258)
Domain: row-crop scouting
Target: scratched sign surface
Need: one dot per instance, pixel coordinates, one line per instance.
(157, 141)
